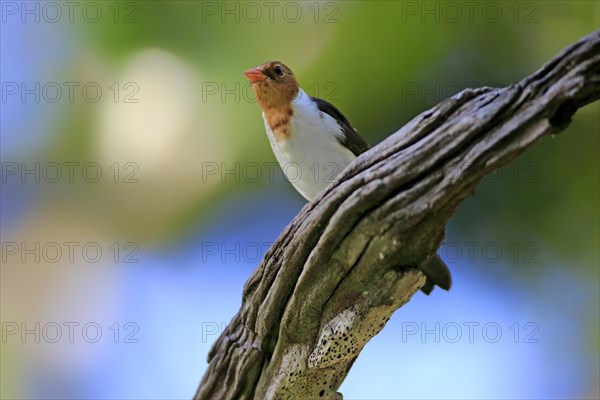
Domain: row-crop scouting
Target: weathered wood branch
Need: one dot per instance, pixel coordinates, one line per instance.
(348, 260)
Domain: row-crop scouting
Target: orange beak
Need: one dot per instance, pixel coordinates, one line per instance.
(255, 75)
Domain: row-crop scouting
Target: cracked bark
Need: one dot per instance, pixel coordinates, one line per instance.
(348, 260)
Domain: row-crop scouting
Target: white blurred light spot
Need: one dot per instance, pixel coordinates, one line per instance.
(152, 131)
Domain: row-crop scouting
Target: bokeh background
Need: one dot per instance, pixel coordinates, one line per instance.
(139, 191)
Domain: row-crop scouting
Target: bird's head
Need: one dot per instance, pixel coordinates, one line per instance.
(274, 84)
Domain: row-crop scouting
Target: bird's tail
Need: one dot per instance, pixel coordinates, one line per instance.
(437, 273)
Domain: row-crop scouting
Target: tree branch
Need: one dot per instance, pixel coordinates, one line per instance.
(349, 259)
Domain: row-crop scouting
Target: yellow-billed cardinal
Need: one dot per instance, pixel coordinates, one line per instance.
(313, 142)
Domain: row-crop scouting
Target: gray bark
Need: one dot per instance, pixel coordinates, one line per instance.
(349, 259)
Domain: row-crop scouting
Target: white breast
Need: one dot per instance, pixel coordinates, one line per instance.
(312, 156)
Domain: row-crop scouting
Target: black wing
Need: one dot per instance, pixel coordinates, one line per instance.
(351, 139)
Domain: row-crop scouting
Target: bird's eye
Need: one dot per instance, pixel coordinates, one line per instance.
(279, 70)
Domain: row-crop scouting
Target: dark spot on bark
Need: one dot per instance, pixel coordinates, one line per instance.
(563, 114)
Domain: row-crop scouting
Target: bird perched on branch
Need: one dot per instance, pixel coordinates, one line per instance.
(313, 141)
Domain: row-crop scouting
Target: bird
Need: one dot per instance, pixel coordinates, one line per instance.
(313, 142)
